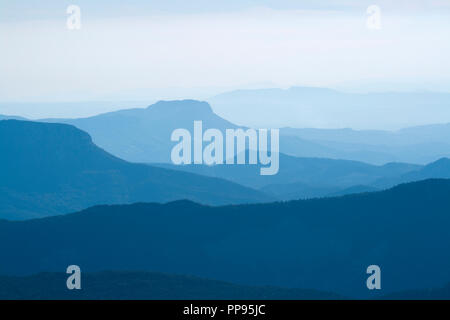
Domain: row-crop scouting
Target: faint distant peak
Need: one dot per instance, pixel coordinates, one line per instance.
(182, 106)
(311, 90)
(34, 131)
(281, 92)
(443, 162)
(5, 117)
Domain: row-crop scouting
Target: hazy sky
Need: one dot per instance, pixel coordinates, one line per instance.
(144, 50)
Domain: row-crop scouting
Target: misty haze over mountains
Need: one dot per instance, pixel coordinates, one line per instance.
(143, 135)
(373, 197)
(296, 107)
(101, 101)
(50, 169)
(327, 108)
(314, 162)
(300, 178)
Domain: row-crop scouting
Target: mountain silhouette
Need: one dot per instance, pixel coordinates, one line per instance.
(300, 178)
(143, 135)
(323, 244)
(48, 169)
(299, 190)
(4, 117)
(122, 285)
(306, 107)
(442, 293)
(315, 107)
(439, 169)
(406, 136)
(353, 190)
(412, 145)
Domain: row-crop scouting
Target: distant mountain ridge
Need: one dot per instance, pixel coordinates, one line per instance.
(318, 107)
(130, 134)
(143, 135)
(48, 169)
(309, 107)
(4, 117)
(418, 145)
(303, 177)
(439, 169)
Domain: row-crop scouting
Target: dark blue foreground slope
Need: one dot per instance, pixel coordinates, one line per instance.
(323, 244)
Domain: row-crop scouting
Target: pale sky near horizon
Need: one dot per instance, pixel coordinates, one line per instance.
(145, 50)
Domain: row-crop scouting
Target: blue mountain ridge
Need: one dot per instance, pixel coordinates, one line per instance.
(322, 244)
(143, 135)
(48, 169)
(123, 285)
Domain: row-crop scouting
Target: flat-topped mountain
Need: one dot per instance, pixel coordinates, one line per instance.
(143, 135)
(48, 169)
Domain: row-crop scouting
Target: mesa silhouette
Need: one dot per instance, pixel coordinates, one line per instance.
(143, 135)
(48, 169)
